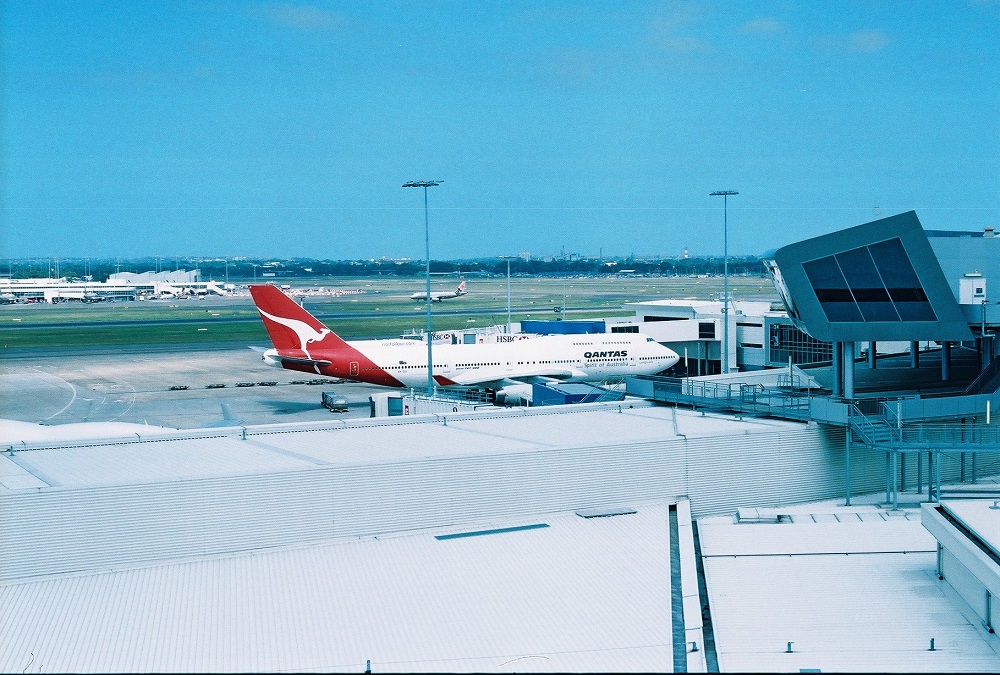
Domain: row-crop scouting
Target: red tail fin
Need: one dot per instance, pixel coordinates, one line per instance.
(290, 327)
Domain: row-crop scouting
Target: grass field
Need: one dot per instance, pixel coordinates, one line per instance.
(383, 309)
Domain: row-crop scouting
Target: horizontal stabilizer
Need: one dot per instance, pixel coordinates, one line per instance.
(303, 362)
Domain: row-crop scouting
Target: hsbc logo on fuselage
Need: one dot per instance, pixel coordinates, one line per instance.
(605, 355)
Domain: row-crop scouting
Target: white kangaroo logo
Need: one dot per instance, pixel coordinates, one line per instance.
(304, 331)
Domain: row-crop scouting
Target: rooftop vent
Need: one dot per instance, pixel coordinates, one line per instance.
(606, 512)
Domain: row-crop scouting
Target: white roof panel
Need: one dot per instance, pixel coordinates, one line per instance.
(979, 515)
(577, 595)
(152, 461)
(849, 596)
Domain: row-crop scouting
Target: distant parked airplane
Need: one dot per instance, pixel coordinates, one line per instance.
(440, 295)
(303, 343)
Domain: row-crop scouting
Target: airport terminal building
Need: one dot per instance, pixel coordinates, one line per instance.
(905, 290)
(728, 522)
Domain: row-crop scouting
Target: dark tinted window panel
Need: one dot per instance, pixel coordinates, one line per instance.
(894, 265)
(841, 311)
(831, 290)
(824, 273)
(907, 295)
(915, 311)
(866, 285)
(834, 295)
(859, 271)
(878, 311)
(870, 294)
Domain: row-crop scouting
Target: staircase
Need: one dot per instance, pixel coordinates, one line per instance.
(987, 381)
(883, 431)
(875, 432)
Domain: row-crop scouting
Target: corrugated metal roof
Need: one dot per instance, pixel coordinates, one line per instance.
(278, 448)
(581, 594)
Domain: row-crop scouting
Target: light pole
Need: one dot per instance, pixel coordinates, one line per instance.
(725, 274)
(427, 251)
(508, 258)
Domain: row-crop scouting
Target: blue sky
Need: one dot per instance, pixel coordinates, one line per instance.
(228, 128)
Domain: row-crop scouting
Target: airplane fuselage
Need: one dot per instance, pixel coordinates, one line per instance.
(570, 358)
(435, 297)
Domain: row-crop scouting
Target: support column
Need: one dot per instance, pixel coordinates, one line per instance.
(837, 366)
(888, 478)
(895, 480)
(930, 476)
(914, 355)
(945, 361)
(937, 477)
(848, 370)
(871, 355)
(847, 460)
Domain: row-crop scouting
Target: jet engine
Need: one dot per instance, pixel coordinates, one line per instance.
(514, 394)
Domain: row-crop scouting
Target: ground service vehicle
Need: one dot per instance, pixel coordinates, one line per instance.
(334, 401)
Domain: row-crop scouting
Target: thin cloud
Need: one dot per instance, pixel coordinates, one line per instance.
(861, 42)
(671, 30)
(304, 17)
(762, 26)
(868, 41)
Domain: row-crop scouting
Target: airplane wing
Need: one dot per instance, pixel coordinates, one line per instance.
(501, 375)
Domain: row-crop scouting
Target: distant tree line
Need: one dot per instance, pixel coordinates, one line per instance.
(241, 270)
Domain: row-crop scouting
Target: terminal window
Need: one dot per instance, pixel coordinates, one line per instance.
(870, 283)
(706, 330)
(787, 341)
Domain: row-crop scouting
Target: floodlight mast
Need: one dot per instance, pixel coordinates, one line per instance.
(725, 194)
(427, 251)
(508, 258)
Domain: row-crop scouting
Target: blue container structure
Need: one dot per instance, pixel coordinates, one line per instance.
(542, 327)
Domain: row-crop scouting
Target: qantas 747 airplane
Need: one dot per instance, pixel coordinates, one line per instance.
(303, 343)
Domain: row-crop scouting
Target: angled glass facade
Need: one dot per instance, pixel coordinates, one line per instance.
(869, 283)
(874, 282)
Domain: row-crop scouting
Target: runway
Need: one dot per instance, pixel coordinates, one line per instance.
(136, 387)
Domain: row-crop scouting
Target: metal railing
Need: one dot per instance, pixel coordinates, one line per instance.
(746, 397)
(887, 431)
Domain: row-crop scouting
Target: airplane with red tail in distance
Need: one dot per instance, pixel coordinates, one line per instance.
(303, 343)
(438, 296)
